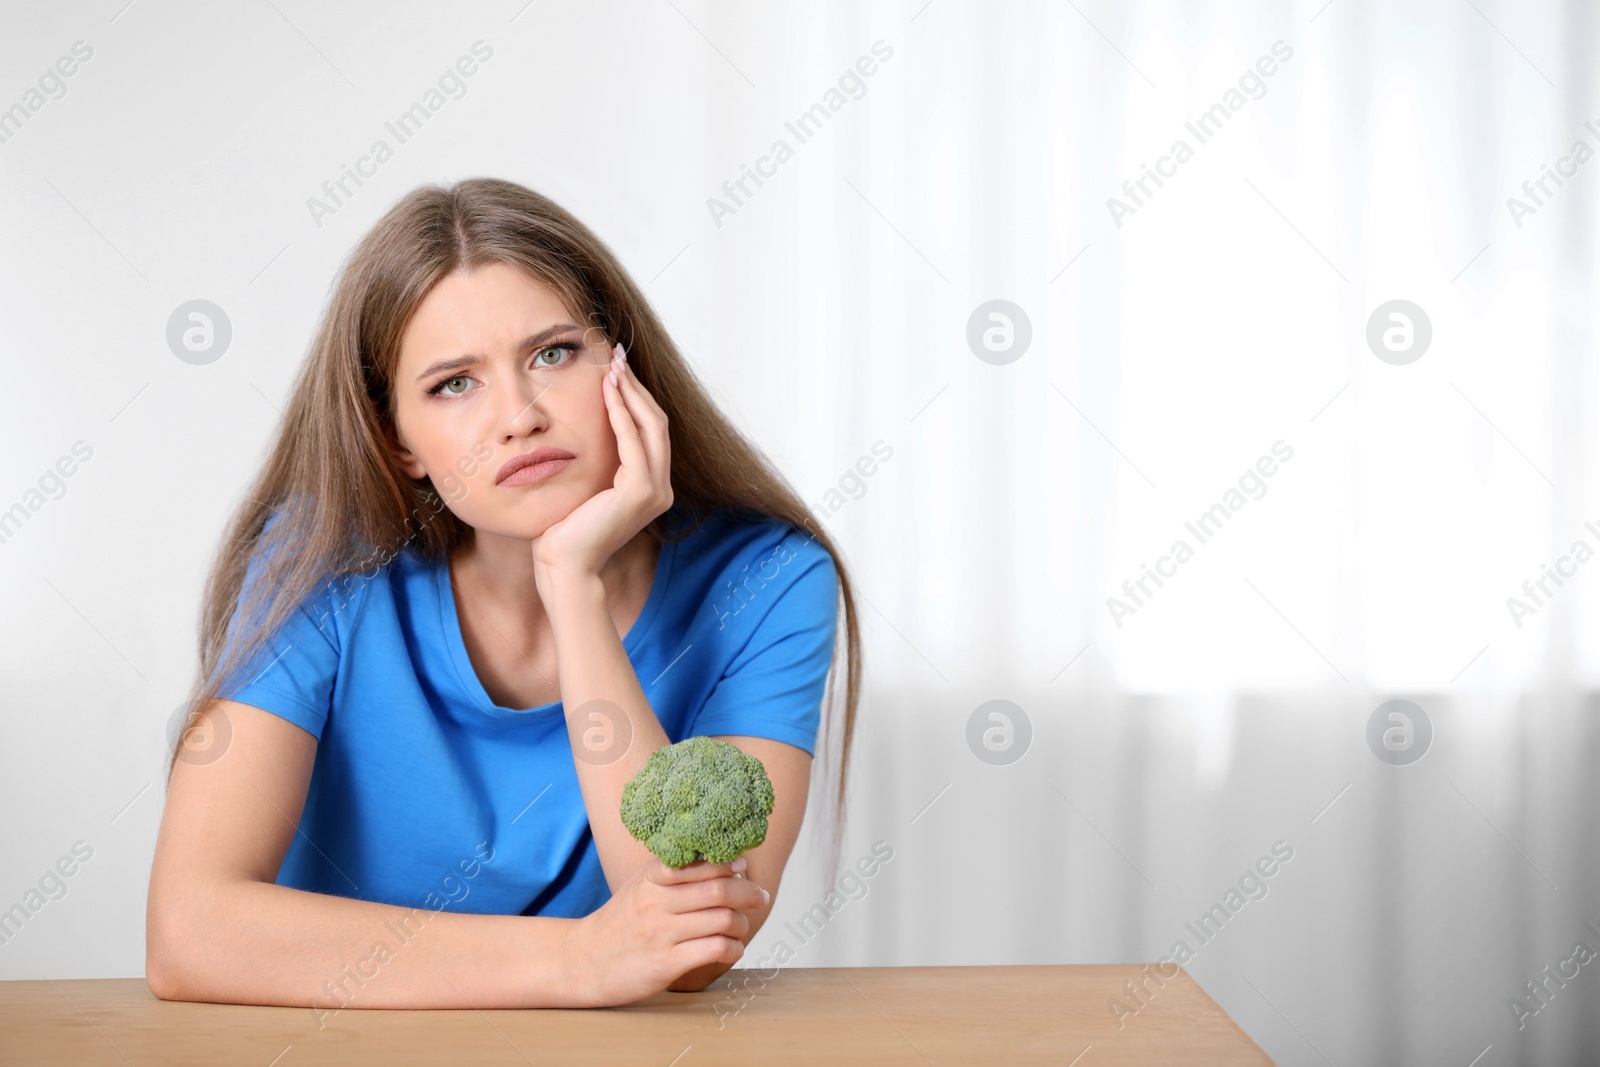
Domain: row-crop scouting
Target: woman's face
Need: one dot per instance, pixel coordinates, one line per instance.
(494, 365)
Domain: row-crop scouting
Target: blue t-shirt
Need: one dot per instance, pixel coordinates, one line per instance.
(426, 793)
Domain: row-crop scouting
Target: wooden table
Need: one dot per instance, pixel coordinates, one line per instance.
(1057, 1015)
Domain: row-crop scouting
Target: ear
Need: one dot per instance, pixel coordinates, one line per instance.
(404, 458)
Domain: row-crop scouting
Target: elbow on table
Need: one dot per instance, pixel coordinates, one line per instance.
(161, 975)
(168, 959)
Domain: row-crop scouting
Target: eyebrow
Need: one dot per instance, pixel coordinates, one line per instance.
(459, 362)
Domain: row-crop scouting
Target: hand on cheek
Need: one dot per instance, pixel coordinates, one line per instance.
(640, 489)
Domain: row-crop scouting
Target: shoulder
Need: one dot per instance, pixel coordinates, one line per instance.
(341, 591)
(729, 544)
(382, 598)
(406, 580)
(749, 568)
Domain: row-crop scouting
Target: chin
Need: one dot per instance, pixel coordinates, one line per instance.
(508, 525)
(528, 522)
(538, 509)
(510, 533)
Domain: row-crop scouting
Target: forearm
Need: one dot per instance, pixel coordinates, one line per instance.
(594, 666)
(250, 942)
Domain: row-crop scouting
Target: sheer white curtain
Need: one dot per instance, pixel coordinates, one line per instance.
(1226, 314)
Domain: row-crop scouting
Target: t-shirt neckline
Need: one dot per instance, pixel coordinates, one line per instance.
(450, 624)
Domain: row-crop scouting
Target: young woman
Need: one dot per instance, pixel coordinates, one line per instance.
(504, 547)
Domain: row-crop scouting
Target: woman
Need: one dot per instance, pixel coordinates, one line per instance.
(504, 547)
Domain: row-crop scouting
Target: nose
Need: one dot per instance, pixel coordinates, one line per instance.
(519, 413)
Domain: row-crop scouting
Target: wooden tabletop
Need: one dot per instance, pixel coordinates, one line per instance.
(1060, 1015)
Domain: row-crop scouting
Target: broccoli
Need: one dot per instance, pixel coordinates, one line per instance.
(701, 798)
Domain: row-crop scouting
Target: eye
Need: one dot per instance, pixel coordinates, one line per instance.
(566, 347)
(440, 388)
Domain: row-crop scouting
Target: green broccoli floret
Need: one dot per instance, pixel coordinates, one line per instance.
(701, 798)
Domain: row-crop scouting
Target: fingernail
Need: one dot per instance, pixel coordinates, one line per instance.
(613, 376)
(619, 353)
(766, 898)
(740, 864)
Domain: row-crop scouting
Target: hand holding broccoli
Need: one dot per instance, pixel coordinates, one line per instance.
(700, 799)
(660, 925)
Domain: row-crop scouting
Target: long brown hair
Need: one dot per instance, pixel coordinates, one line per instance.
(340, 505)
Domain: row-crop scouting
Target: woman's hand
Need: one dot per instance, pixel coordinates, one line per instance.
(660, 925)
(581, 543)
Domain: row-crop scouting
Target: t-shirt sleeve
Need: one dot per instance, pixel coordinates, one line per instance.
(293, 676)
(773, 686)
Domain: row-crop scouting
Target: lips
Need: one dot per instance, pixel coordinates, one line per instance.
(548, 460)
